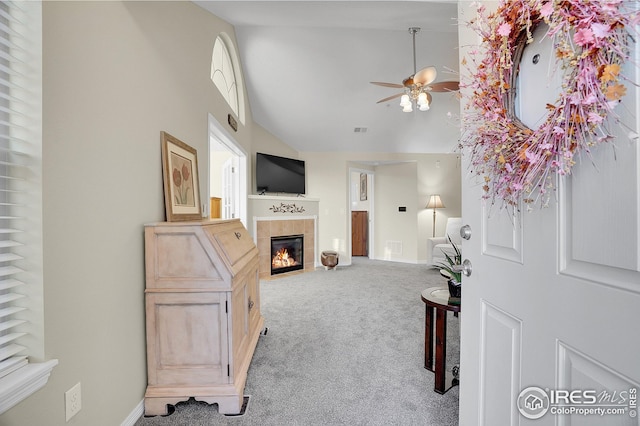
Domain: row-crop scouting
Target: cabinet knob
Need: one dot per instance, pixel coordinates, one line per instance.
(250, 304)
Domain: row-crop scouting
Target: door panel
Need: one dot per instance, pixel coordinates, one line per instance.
(502, 235)
(605, 249)
(614, 241)
(553, 299)
(579, 371)
(499, 365)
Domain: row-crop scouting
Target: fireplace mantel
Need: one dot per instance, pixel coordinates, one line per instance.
(277, 216)
(269, 205)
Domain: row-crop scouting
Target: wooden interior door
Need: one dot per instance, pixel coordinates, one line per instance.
(359, 240)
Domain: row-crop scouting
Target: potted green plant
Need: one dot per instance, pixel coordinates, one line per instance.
(452, 269)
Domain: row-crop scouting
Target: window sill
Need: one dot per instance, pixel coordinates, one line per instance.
(23, 382)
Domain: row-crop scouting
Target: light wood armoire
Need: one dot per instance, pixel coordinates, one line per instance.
(202, 313)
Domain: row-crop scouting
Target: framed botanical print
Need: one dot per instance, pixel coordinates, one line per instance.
(180, 176)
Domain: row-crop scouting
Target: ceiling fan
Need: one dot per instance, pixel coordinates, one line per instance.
(418, 85)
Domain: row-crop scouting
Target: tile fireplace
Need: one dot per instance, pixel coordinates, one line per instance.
(268, 228)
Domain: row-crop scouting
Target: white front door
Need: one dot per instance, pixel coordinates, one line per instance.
(551, 310)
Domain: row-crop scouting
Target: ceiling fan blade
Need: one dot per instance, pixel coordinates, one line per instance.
(425, 75)
(445, 86)
(429, 98)
(397, 95)
(394, 85)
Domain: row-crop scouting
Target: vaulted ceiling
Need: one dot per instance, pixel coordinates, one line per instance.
(308, 67)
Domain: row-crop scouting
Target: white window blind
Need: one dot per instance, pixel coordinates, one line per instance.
(21, 203)
(12, 163)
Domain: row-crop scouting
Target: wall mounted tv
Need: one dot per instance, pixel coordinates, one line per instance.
(279, 174)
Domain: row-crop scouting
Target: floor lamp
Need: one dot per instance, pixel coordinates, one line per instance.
(435, 203)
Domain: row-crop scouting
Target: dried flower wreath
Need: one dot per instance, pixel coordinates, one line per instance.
(591, 40)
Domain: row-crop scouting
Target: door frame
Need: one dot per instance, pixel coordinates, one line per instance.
(370, 196)
(219, 134)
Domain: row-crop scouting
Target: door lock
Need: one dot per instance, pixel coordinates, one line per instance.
(465, 232)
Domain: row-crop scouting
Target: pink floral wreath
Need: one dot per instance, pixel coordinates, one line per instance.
(591, 39)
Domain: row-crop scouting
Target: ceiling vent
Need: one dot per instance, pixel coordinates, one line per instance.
(359, 130)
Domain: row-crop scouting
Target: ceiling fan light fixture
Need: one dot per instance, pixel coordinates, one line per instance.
(422, 100)
(418, 85)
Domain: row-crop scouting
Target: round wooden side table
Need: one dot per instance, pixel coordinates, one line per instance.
(437, 299)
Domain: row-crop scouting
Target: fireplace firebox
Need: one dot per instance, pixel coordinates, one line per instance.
(287, 254)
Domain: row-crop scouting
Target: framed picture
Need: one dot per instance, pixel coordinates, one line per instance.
(180, 176)
(363, 187)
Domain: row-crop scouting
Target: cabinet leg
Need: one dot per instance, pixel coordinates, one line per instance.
(160, 406)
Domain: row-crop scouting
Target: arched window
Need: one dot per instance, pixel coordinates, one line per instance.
(223, 74)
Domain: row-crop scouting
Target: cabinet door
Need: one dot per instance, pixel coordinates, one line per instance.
(240, 316)
(240, 319)
(246, 320)
(187, 340)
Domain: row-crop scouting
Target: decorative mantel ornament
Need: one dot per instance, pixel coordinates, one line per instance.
(287, 208)
(591, 41)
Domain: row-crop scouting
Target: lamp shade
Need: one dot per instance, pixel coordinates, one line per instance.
(435, 202)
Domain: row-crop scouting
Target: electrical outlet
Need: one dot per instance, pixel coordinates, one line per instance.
(73, 401)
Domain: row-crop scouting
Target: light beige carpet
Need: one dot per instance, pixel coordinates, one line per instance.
(344, 347)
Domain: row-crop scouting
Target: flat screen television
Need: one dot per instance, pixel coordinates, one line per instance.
(279, 174)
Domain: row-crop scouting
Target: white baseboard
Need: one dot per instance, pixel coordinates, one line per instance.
(133, 417)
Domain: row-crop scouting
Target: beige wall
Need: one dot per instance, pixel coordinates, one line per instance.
(396, 231)
(115, 75)
(328, 180)
(267, 143)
